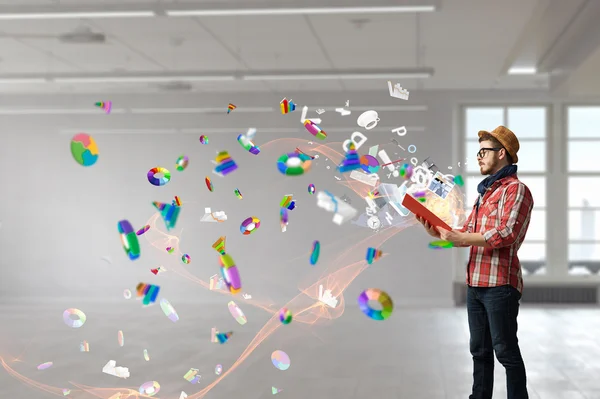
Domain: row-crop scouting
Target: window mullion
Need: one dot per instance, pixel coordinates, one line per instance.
(556, 195)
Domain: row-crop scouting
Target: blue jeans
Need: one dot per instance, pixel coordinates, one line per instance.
(493, 327)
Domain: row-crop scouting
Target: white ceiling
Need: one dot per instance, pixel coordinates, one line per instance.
(467, 42)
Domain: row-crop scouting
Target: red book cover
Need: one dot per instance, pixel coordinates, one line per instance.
(419, 210)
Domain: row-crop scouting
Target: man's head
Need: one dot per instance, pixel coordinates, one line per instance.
(497, 149)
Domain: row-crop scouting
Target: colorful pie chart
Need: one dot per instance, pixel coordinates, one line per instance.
(369, 164)
(281, 360)
(84, 149)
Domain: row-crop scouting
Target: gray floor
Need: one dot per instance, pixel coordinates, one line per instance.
(417, 353)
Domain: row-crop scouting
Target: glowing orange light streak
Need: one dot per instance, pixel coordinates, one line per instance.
(336, 281)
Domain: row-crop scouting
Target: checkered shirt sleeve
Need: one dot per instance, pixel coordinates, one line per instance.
(516, 212)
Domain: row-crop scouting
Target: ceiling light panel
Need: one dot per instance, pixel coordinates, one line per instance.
(299, 11)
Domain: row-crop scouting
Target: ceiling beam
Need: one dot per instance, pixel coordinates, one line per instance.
(523, 51)
(580, 39)
(556, 36)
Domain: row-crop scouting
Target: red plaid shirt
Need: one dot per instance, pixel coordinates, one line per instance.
(503, 219)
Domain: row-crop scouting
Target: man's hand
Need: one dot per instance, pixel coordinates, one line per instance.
(456, 237)
(431, 230)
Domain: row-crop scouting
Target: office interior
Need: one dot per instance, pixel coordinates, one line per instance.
(147, 79)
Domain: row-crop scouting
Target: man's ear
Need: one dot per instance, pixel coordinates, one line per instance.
(502, 153)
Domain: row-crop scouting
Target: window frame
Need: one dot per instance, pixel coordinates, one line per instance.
(574, 174)
(461, 257)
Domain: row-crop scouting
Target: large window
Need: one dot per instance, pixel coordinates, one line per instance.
(529, 123)
(583, 128)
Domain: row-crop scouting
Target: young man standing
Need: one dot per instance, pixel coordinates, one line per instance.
(495, 230)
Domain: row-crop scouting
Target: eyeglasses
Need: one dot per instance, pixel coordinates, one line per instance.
(483, 151)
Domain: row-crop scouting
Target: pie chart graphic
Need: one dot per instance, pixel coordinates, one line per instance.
(84, 149)
(281, 360)
(369, 164)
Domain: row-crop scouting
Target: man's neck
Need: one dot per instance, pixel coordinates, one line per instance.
(499, 168)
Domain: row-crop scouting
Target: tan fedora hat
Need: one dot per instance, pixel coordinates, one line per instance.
(507, 138)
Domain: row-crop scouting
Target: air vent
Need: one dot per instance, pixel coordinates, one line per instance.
(175, 86)
(542, 294)
(82, 35)
(360, 22)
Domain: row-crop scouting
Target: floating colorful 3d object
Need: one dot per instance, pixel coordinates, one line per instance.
(459, 180)
(280, 360)
(420, 196)
(143, 230)
(182, 162)
(293, 164)
(131, 245)
(299, 151)
(249, 225)
(285, 316)
(147, 292)
(406, 171)
(248, 145)
(170, 250)
(216, 282)
(169, 213)
(224, 337)
(177, 201)
(230, 107)
(283, 219)
(192, 376)
(373, 194)
(287, 106)
(159, 181)
(311, 188)
(375, 294)
(237, 313)
(287, 202)
(105, 105)
(44, 366)
(314, 129)
(159, 269)
(203, 139)
(351, 162)
(74, 322)
(373, 254)
(225, 165)
(186, 259)
(84, 346)
(149, 388)
(219, 245)
(84, 149)
(314, 254)
(229, 270)
(169, 310)
(369, 164)
(440, 244)
(209, 184)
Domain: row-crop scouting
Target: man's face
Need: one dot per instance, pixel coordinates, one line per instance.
(489, 162)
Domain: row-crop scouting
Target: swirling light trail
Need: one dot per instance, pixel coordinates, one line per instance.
(336, 281)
